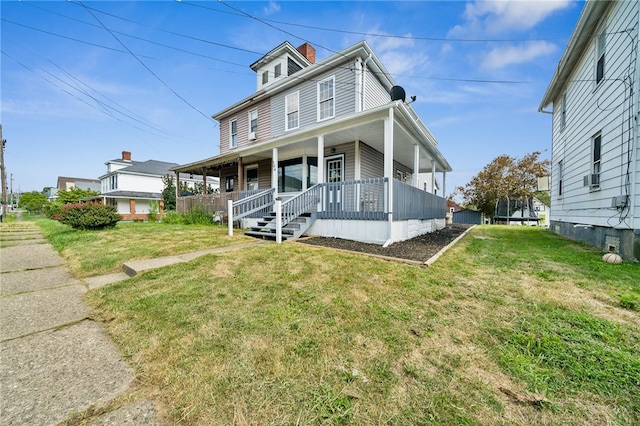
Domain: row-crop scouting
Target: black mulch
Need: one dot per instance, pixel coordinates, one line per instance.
(420, 248)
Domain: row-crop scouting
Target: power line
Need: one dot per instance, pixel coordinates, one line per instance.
(146, 67)
(462, 80)
(367, 34)
(105, 108)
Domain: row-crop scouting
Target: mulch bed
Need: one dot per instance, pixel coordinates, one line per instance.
(419, 249)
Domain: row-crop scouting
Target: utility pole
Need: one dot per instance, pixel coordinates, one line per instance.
(3, 175)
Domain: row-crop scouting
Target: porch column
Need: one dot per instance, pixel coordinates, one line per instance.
(204, 181)
(388, 162)
(416, 165)
(240, 175)
(357, 170)
(320, 167)
(321, 159)
(433, 176)
(274, 171)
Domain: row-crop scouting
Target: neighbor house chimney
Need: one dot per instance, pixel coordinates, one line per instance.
(126, 155)
(308, 51)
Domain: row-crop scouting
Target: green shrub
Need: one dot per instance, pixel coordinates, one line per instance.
(172, 217)
(153, 211)
(53, 209)
(197, 216)
(89, 216)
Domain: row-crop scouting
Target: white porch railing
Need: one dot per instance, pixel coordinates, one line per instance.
(305, 202)
(236, 210)
(365, 199)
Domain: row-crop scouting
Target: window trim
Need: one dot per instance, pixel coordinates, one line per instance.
(601, 51)
(229, 183)
(287, 112)
(596, 164)
(233, 137)
(246, 176)
(560, 177)
(332, 98)
(563, 111)
(250, 120)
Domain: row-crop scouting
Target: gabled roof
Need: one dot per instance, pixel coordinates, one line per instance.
(152, 167)
(274, 53)
(149, 167)
(361, 49)
(593, 12)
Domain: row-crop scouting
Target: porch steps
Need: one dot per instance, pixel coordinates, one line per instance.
(266, 228)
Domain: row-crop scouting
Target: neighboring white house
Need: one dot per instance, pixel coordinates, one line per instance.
(135, 187)
(595, 190)
(336, 141)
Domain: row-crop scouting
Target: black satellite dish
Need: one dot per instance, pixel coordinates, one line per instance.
(398, 94)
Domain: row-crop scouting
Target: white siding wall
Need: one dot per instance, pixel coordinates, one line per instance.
(375, 94)
(242, 117)
(128, 182)
(592, 109)
(344, 101)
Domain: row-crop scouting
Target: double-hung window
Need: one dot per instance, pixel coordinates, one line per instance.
(596, 157)
(563, 111)
(560, 177)
(600, 54)
(233, 133)
(292, 111)
(253, 122)
(326, 99)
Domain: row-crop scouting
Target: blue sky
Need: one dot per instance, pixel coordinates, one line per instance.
(84, 81)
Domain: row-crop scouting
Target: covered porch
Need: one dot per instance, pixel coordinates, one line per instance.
(379, 165)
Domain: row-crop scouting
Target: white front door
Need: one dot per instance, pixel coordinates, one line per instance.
(334, 176)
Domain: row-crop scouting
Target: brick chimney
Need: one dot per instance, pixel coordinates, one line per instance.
(308, 51)
(126, 155)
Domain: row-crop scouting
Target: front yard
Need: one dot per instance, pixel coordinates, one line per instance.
(513, 325)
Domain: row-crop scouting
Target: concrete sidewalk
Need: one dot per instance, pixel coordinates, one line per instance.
(54, 360)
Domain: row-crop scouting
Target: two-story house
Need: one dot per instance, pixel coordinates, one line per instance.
(135, 187)
(336, 141)
(595, 183)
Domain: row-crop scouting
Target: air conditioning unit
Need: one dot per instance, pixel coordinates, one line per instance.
(252, 136)
(592, 180)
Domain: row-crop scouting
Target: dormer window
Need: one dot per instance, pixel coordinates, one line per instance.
(277, 71)
(265, 77)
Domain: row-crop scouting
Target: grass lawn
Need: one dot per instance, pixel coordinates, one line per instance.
(513, 325)
(90, 253)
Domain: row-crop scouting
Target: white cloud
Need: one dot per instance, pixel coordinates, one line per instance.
(399, 55)
(271, 8)
(498, 17)
(511, 55)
